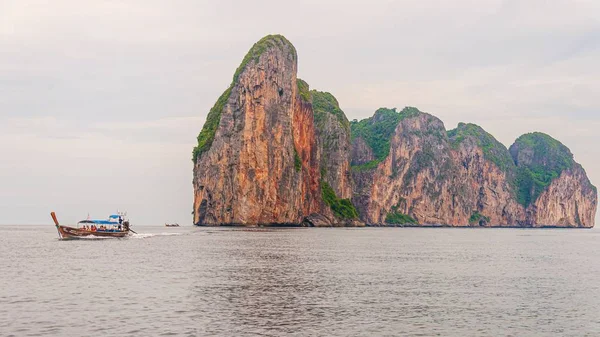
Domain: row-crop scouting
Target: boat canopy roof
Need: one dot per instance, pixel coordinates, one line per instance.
(113, 219)
(100, 222)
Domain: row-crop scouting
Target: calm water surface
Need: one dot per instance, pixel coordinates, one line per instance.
(306, 282)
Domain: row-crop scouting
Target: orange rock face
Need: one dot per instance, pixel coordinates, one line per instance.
(249, 176)
(306, 145)
(569, 201)
(488, 189)
(333, 136)
(419, 177)
(453, 182)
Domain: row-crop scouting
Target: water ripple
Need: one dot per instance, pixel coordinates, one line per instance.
(301, 282)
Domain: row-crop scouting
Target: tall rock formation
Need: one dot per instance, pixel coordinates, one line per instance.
(554, 188)
(274, 152)
(413, 178)
(257, 161)
(333, 136)
(488, 170)
(408, 170)
(260, 164)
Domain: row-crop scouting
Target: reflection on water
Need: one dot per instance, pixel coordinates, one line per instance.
(329, 282)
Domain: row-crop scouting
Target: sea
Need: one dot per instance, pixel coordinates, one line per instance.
(193, 281)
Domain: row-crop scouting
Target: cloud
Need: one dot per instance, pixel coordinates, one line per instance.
(126, 85)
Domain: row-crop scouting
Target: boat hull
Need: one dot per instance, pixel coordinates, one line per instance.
(66, 232)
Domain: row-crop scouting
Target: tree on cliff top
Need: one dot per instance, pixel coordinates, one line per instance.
(324, 102)
(492, 149)
(377, 131)
(540, 159)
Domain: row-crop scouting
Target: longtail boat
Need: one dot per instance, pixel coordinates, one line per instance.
(115, 227)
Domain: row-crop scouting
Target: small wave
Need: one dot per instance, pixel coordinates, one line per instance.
(131, 236)
(149, 235)
(90, 237)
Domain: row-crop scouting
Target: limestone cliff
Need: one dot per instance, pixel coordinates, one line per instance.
(488, 170)
(554, 188)
(418, 174)
(333, 135)
(260, 164)
(257, 161)
(274, 152)
(413, 178)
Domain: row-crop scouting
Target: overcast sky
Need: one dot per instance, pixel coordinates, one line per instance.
(101, 101)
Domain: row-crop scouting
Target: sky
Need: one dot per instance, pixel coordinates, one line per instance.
(101, 102)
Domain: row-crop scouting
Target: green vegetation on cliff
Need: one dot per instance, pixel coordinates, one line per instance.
(366, 166)
(324, 102)
(493, 150)
(377, 131)
(264, 44)
(396, 218)
(342, 208)
(540, 159)
(207, 135)
(297, 161)
(303, 90)
(476, 217)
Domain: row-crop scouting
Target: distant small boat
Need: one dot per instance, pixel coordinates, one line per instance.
(115, 227)
(172, 225)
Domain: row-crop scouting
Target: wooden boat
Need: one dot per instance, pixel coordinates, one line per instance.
(111, 230)
(172, 225)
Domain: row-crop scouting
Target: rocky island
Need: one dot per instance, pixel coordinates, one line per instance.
(273, 152)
